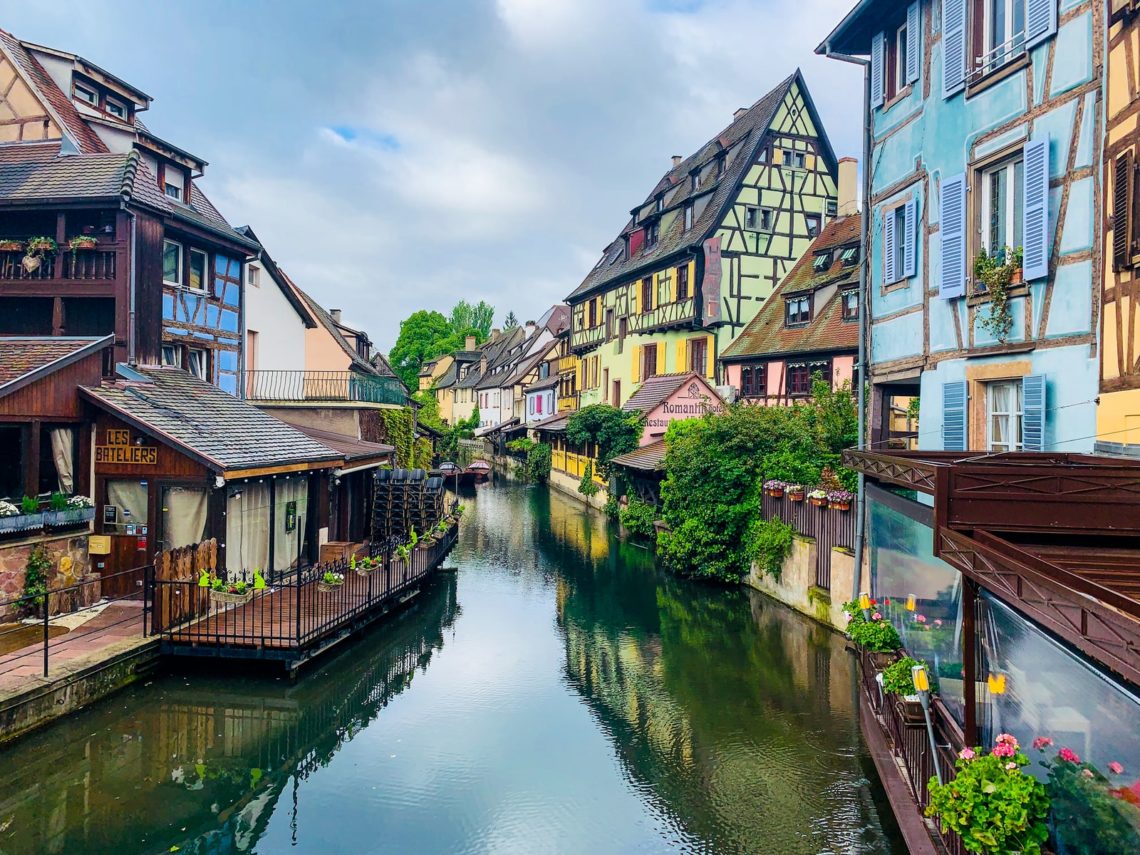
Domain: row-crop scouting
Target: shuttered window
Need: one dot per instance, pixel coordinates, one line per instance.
(1036, 208)
(954, 416)
(878, 57)
(952, 232)
(1122, 191)
(1033, 413)
(913, 41)
(953, 47)
(890, 247)
(1040, 21)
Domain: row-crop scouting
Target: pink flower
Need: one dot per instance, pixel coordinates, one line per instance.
(1115, 768)
(1042, 742)
(1086, 773)
(1010, 766)
(938, 621)
(920, 618)
(1003, 750)
(1007, 739)
(887, 601)
(967, 754)
(1068, 755)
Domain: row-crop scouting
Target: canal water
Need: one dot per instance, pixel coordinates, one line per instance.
(556, 694)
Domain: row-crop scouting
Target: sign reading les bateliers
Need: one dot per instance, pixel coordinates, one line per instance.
(120, 450)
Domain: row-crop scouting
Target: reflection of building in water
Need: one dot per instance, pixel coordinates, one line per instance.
(209, 765)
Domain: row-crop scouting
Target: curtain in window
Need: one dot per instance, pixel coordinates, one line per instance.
(247, 529)
(130, 497)
(63, 454)
(289, 529)
(183, 516)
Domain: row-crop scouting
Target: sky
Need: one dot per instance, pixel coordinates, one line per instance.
(395, 155)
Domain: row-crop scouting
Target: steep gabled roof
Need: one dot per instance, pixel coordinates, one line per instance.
(25, 359)
(659, 388)
(299, 306)
(767, 334)
(739, 143)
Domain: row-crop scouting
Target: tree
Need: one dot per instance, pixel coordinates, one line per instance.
(476, 320)
(423, 336)
(614, 431)
(510, 321)
(429, 408)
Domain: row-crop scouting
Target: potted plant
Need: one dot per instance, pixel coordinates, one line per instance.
(898, 680)
(11, 245)
(991, 804)
(840, 500)
(876, 636)
(36, 250)
(795, 492)
(818, 498)
(994, 274)
(231, 593)
(330, 582)
(82, 242)
(21, 517)
(774, 488)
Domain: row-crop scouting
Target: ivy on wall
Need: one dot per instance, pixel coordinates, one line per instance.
(411, 453)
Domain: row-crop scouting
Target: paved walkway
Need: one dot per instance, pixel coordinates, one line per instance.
(117, 628)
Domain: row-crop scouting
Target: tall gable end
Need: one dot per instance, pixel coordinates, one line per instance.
(23, 116)
(793, 116)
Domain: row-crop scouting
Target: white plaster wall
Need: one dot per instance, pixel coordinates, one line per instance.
(280, 330)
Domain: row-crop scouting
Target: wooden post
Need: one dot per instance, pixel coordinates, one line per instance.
(969, 661)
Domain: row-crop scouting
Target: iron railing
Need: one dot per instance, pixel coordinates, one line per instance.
(296, 612)
(324, 386)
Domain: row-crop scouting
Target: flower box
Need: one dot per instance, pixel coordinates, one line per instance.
(328, 587)
(817, 502)
(839, 506)
(230, 598)
(795, 495)
(21, 522)
(83, 242)
(776, 492)
(11, 245)
(71, 516)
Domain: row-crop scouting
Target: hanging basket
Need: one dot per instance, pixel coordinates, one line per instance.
(329, 587)
(819, 503)
(795, 496)
(776, 494)
(230, 599)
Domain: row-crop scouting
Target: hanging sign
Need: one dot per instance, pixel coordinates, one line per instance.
(120, 450)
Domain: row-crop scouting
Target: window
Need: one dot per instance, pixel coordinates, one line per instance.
(1125, 211)
(797, 310)
(758, 219)
(821, 262)
(812, 224)
(1002, 198)
(171, 262)
(651, 233)
(648, 361)
(86, 94)
(254, 276)
(1003, 33)
(688, 216)
(1004, 403)
(683, 282)
(592, 321)
(754, 381)
(832, 207)
(800, 375)
(171, 355)
(698, 355)
(647, 294)
(199, 364)
(695, 181)
(850, 305)
(849, 256)
(117, 109)
(660, 206)
(173, 191)
(898, 249)
(197, 280)
(794, 159)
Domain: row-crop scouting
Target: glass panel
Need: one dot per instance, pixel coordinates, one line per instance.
(921, 595)
(171, 262)
(1036, 687)
(291, 504)
(130, 498)
(197, 270)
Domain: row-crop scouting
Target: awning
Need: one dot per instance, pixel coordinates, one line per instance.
(648, 458)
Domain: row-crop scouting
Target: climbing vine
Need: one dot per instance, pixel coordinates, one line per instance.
(410, 452)
(36, 579)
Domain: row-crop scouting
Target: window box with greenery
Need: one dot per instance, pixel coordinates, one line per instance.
(330, 582)
(876, 635)
(22, 517)
(37, 249)
(817, 498)
(64, 510)
(995, 277)
(227, 592)
(11, 245)
(840, 500)
(898, 680)
(795, 492)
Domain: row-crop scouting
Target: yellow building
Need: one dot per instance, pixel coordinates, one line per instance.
(1118, 416)
(705, 249)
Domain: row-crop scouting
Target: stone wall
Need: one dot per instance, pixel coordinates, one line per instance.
(14, 561)
(568, 484)
(796, 586)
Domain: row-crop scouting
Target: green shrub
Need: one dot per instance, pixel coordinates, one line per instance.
(29, 505)
(638, 517)
(35, 580)
(771, 544)
(538, 458)
(522, 445)
(876, 635)
(58, 501)
(614, 432)
(586, 486)
(612, 508)
(897, 679)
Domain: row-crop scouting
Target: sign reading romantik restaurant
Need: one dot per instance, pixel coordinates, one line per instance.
(120, 450)
(691, 402)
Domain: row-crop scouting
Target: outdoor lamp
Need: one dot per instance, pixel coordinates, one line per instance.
(911, 602)
(865, 604)
(921, 682)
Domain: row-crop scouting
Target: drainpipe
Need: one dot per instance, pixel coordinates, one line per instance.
(864, 283)
(131, 355)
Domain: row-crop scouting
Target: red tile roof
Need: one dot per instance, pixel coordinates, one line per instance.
(766, 333)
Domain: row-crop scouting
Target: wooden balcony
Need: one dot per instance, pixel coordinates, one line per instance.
(99, 267)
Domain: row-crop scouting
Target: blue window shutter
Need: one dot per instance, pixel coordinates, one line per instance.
(877, 56)
(913, 42)
(908, 239)
(1033, 412)
(954, 416)
(890, 275)
(952, 231)
(953, 47)
(1040, 21)
(1035, 210)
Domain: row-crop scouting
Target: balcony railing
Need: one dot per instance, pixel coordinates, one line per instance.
(82, 266)
(324, 386)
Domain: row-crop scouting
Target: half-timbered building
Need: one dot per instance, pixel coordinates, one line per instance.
(706, 247)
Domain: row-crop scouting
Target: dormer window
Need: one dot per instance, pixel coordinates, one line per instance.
(652, 231)
(173, 191)
(849, 256)
(660, 204)
(688, 217)
(117, 109)
(173, 182)
(797, 310)
(86, 94)
(850, 305)
(821, 262)
(695, 181)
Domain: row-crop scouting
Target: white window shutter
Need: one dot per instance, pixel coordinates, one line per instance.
(889, 273)
(913, 41)
(877, 57)
(1035, 226)
(1040, 21)
(953, 47)
(908, 239)
(952, 230)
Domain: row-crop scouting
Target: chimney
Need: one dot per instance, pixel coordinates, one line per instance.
(848, 202)
(495, 333)
(530, 328)
(740, 111)
(677, 160)
(469, 344)
(335, 315)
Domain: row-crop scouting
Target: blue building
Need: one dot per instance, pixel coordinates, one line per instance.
(985, 124)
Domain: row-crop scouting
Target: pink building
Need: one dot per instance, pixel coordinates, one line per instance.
(666, 397)
(809, 326)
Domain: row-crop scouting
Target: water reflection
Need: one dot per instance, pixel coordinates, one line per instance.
(201, 764)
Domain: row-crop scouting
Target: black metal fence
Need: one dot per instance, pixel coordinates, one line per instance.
(830, 527)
